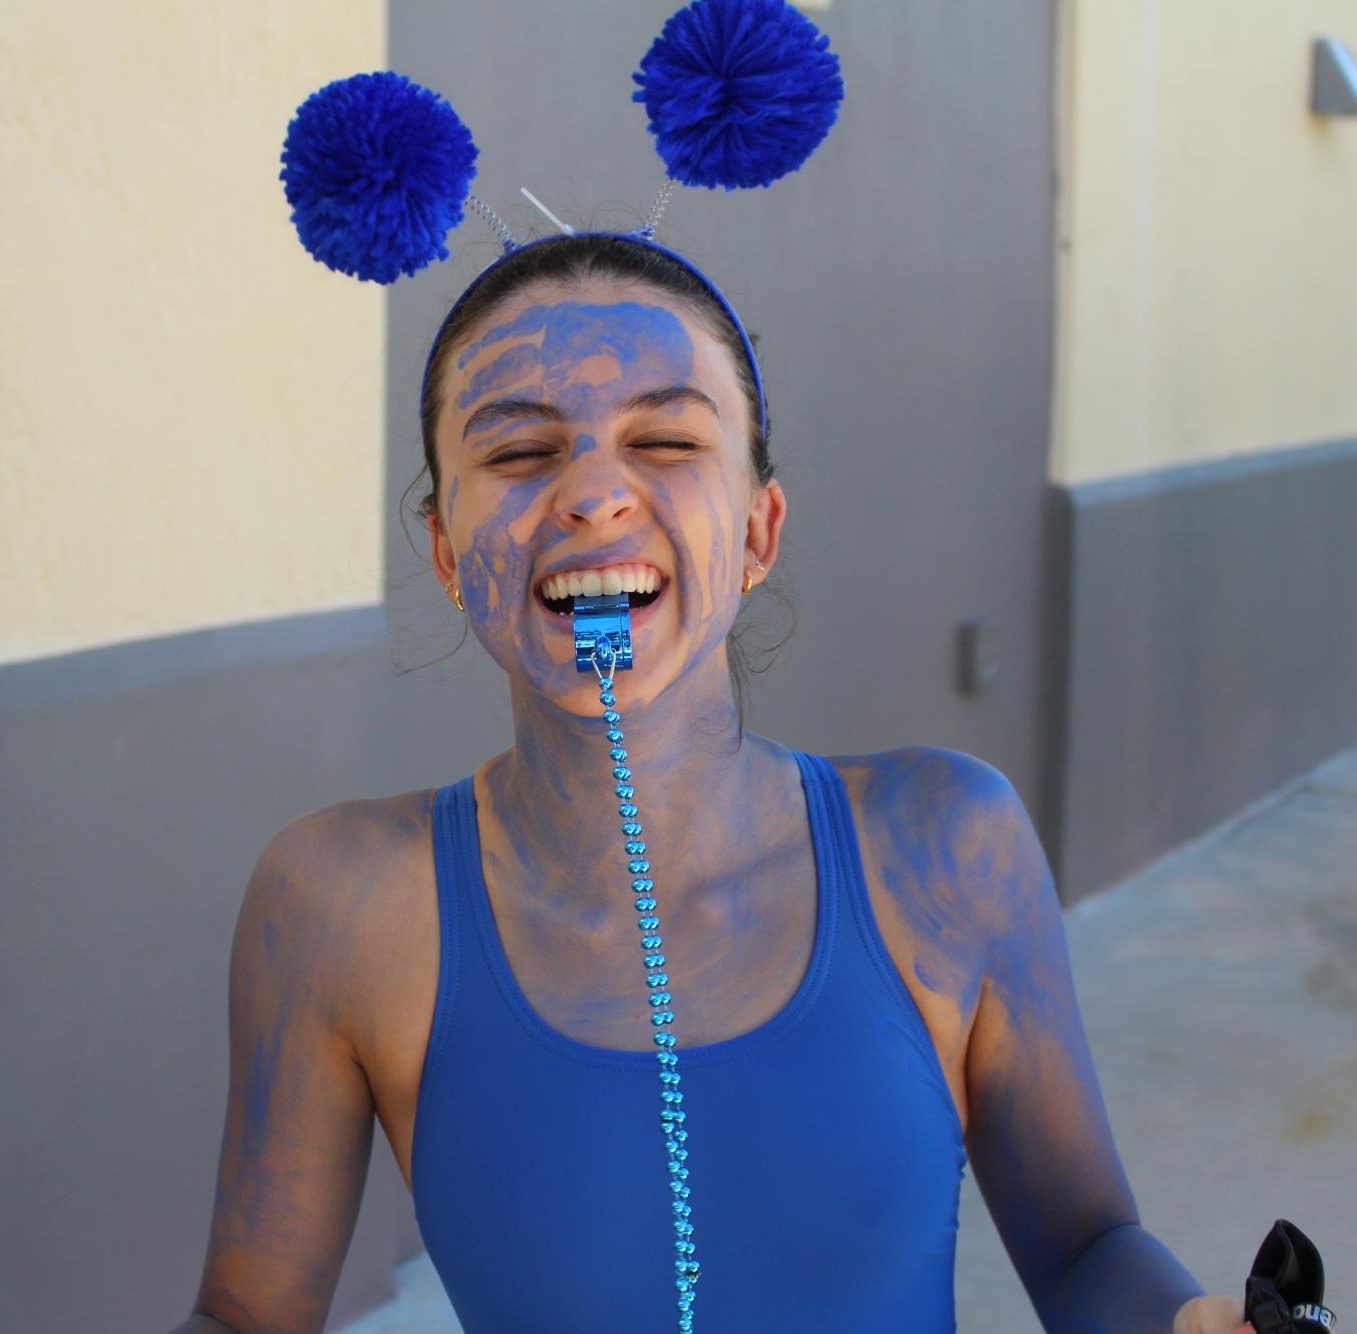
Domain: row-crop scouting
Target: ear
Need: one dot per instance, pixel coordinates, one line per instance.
(440, 551)
(763, 533)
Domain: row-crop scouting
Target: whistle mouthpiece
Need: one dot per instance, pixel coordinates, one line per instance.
(608, 618)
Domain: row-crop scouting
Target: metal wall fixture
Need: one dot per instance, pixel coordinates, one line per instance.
(1333, 79)
(977, 659)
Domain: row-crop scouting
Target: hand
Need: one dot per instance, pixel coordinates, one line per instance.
(1212, 1315)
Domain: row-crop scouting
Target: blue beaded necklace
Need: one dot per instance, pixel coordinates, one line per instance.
(602, 645)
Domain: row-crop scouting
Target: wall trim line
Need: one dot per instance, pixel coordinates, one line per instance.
(1208, 472)
(114, 668)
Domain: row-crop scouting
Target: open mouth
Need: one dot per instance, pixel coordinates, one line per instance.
(642, 584)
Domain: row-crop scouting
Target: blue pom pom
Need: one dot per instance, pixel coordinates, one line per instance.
(377, 170)
(739, 92)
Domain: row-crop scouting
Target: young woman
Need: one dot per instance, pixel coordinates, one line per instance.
(866, 956)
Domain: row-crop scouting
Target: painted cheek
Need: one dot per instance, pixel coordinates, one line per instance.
(494, 557)
(497, 569)
(693, 518)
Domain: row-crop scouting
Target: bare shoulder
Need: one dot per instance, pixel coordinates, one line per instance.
(351, 839)
(326, 882)
(300, 1104)
(923, 782)
(951, 860)
(945, 810)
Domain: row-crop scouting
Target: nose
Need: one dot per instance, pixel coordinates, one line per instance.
(595, 489)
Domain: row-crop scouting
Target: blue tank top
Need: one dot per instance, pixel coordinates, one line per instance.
(826, 1150)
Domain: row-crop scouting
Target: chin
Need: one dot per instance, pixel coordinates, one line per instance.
(581, 696)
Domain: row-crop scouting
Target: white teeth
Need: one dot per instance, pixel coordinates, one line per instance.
(610, 579)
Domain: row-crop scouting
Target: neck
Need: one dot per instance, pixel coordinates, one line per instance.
(551, 796)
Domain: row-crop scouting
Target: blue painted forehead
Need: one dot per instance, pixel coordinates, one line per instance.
(717, 295)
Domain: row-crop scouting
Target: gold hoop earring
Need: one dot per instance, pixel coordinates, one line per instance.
(748, 586)
(451, 587)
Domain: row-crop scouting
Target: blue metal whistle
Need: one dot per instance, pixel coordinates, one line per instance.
(607, 617)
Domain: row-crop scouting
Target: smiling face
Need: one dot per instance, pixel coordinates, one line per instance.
(594, 438)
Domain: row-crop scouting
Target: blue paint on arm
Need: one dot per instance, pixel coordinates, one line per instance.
(968, 871)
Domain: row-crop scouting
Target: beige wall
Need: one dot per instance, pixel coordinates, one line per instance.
(1208, 235)
(190, 407)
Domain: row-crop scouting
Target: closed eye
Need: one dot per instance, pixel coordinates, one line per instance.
(517, 455)
(688, 446)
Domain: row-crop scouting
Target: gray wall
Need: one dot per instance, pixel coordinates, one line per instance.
(129, 820)
(902, 286)
(1211, 640)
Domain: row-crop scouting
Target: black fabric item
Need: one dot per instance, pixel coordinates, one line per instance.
(1285, 1292)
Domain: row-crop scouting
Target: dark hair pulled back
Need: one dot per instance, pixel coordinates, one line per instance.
(567, 260)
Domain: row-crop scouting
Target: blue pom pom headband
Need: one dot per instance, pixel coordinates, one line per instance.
(378, 170)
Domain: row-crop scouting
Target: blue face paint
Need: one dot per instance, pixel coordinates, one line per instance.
(581, 357)
(511, 366)
(580, 361)
(486, 438)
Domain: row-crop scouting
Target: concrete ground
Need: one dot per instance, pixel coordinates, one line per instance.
(1219, 990)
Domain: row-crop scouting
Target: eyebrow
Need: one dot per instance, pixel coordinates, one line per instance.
(511, 409)
(674, 393)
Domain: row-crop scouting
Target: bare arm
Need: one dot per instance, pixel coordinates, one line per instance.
(299, 1112)
(962, 865)
(1039, 1137)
